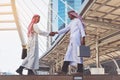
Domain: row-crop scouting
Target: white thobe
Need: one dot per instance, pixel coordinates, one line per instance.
(32, 59)
(76, 29)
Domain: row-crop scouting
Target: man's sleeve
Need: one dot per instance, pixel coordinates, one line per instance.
(64, 30)
(40, 32)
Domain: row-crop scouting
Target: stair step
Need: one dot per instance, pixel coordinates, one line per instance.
(26, 77)
(58, 77)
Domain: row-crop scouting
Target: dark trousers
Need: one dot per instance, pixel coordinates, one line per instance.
(66, 65)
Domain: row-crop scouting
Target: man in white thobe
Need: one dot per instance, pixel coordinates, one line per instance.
(77, 38)
(31, 62)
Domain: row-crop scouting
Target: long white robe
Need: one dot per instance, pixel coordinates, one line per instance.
(32, 59)
(76, 32)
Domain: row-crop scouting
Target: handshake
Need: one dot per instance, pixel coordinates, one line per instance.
(52, 33)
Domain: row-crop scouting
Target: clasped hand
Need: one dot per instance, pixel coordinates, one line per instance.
(52, 33)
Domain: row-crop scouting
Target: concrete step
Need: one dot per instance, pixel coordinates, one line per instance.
(101, 77)
(26, 77)
(57, 77)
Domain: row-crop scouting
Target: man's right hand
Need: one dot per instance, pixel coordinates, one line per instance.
(52, 33)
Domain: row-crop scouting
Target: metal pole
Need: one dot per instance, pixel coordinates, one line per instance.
(66, 13)
(49, 39)
(97, 52)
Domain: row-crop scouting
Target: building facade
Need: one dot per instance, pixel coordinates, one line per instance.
(59, 17)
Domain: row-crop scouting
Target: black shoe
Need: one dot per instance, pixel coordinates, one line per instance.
(20, 70)
(30, 72)
(80, 68)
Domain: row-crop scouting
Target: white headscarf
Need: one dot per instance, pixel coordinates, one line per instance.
(30, 27)
(73, 13)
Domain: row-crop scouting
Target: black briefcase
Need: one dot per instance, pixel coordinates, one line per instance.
(24, 53)
(83, 51)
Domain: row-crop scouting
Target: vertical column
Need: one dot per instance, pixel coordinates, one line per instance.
(97, 52)
(66, 13)
(49, 28)
(51, 69)
(17, 24)
(98, 69)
